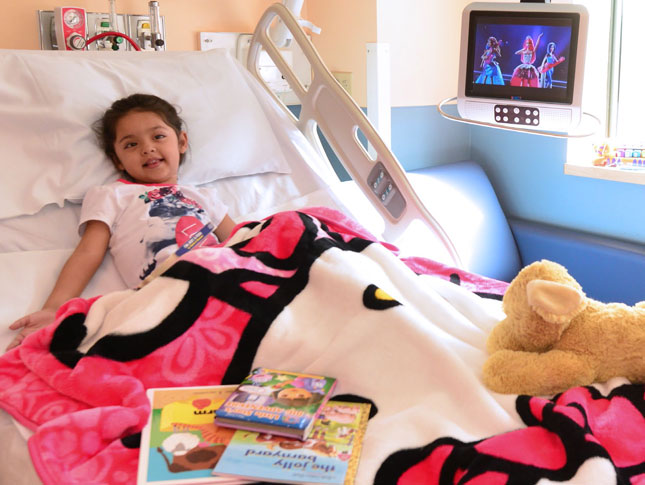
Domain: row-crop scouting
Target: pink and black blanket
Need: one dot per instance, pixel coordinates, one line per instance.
(312, 291)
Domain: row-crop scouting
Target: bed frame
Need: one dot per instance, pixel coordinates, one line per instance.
(325, 104)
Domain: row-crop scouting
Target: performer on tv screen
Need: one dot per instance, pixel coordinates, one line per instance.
(548, 64)
(491, 72)
(525, 74)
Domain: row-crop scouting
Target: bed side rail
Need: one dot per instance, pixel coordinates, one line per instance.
(327, 105)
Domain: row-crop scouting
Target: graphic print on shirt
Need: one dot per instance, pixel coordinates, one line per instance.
(173, 219)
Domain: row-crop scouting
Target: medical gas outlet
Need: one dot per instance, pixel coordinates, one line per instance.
(144, 36)
(109, 42)
(71, 28)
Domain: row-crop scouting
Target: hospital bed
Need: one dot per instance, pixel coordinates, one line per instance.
(415, 354)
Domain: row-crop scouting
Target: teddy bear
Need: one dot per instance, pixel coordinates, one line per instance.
(554, 337)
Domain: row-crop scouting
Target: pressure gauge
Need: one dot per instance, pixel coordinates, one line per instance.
(72, 18)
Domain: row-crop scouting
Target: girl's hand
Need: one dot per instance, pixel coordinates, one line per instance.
(30, 323)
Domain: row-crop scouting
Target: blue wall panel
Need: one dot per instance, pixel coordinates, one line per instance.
(527, 172)
(421, 137)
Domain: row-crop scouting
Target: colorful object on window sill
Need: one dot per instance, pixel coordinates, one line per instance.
(626, 157)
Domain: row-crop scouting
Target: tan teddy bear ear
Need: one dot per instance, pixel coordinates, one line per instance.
(555, 302)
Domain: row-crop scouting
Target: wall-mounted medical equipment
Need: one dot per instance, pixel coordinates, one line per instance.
(70, 28)
(521, 64)
(103, 31)
(237, 44)
(156, 39)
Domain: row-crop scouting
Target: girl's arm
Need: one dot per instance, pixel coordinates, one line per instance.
(72, 280)
(223, 231)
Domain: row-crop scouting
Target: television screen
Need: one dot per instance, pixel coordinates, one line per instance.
(523, 64)
(520, 57)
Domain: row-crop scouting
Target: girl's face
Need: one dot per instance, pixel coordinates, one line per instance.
(148, 149)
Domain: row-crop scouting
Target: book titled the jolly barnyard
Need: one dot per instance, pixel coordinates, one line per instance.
(276, 402)
(329, 456)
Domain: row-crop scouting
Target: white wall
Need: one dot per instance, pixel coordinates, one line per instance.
(424, 38)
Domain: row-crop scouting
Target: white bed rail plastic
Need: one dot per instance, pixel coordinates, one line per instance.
(327, 105)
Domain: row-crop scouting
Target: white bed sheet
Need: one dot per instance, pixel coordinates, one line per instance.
(15, 462)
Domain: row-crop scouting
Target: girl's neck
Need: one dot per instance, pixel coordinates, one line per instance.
(130, 180)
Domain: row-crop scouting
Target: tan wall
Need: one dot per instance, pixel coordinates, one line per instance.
(347, 26)
(423, 35)
(184, 18)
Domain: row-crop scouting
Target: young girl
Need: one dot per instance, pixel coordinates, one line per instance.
(142, 219)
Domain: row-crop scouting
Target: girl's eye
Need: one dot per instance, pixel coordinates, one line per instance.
(129, 145)
(159, 136)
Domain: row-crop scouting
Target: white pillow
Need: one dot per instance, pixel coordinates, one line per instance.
(49, 100)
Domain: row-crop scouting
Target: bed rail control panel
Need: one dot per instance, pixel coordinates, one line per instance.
(381, 183)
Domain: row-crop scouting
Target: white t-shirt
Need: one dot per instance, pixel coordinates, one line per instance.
(149, 222)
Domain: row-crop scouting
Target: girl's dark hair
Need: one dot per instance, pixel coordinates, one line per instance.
(105, 128)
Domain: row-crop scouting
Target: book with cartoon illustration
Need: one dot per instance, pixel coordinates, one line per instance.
(276, 402)
(181, 444)
(330, 455)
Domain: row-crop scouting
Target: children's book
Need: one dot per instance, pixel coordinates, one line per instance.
(276, 402)
(181, 444)
(330, 455)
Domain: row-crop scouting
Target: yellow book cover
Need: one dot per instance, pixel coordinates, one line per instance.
(181, 444)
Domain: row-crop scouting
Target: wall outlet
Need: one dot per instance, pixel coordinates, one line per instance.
(345, 80)
(237, 44)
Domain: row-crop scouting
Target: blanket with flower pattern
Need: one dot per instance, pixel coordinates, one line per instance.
(312, 291)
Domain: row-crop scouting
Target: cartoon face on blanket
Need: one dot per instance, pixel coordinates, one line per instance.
(307, 291)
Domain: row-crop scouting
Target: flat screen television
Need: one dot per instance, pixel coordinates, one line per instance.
(522, 64)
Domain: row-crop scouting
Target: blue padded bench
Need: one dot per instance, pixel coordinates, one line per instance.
(607, 269)
(462, 199)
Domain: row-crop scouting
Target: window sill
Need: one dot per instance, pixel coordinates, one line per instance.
(606, 173)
